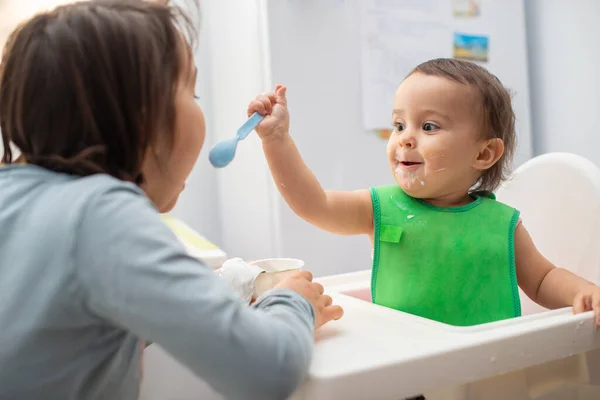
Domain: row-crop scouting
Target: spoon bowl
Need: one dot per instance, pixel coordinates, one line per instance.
(223, 152)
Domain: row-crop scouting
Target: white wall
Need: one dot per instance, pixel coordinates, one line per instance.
(238, 72)
(13, 12)
(565, 83)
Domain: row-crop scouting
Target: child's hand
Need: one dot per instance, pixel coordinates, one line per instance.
(301, 282)
(268, 280)
(274, 107)
(588, 299)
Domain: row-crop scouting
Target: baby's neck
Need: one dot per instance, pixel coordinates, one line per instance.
(450, 200)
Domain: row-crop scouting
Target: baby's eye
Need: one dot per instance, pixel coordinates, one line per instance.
(399, 126)
(196, 97)
(428, 127)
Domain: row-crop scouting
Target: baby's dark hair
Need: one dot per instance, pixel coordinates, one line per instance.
(88, 87)
(498, 117)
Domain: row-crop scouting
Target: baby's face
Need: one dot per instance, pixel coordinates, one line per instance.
(436, 137)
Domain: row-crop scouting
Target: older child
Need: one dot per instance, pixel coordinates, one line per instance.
(99, 98)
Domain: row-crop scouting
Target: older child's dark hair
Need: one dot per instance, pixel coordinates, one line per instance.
(88, 87)
(498, 117)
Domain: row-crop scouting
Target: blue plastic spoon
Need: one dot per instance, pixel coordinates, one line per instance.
(222, 154)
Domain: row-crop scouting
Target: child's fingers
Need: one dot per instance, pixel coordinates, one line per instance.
(323, 302)
(306, 275)
(338, 312)
(320, 289)
(326, 300)
(332, 313)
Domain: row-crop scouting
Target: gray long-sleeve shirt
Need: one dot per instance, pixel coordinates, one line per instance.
(88, 270)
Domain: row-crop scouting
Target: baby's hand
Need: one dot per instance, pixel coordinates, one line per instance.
(274, 107)
(588, 299)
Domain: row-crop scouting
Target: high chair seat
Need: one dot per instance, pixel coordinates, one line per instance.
(558, 195)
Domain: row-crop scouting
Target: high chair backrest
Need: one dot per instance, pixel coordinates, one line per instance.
(558, 195)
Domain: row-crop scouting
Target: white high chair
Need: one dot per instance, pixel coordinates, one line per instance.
(558, 195)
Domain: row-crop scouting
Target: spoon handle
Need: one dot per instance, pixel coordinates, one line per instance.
(249, 125)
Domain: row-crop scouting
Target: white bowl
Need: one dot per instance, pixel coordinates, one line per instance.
(279, 264)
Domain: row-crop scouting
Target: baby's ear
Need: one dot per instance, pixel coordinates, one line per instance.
(489, 153)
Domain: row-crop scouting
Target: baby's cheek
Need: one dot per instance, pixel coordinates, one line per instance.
(434, 163)
(390, 152)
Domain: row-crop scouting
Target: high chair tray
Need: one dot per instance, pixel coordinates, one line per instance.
(379, 353)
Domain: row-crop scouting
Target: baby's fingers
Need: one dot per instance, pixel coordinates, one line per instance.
(271, 96)
(261, 104)
(256, 106)
(579, 304)
(596, 307)
(280, 95)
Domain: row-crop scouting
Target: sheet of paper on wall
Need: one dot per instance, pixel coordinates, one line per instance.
(466, 8)
(471, 47)
(396, 36)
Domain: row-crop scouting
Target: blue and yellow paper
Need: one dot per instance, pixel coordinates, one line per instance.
(471, 47)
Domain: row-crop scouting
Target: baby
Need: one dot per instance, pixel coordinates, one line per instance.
(443, 247)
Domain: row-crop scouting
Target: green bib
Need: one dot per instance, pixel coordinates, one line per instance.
(452, 265)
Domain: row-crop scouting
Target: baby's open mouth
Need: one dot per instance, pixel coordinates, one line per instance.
(410, 163)
(408, 166)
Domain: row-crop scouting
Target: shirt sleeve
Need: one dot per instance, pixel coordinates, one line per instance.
(138, 276)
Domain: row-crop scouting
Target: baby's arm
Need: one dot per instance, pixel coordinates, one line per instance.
(340, 212)
(549, 286)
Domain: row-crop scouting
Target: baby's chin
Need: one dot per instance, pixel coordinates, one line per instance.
(412, 185)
